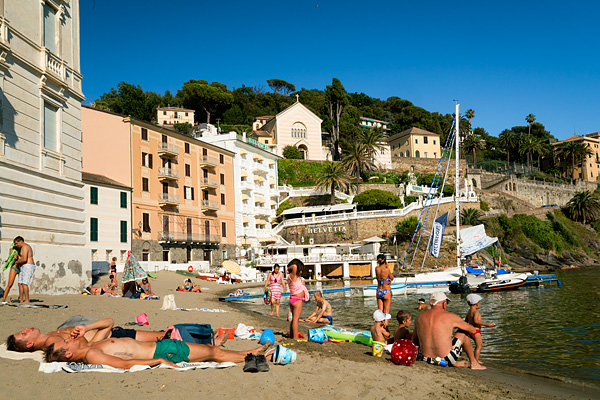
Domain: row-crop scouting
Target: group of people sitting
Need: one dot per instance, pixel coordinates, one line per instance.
(99, 342)
(130, 289)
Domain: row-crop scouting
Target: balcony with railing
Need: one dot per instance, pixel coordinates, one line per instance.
(168, 149)
(210, 205)
(187, 237)
(209, 183)
(168, 199)
(168, 173)
(55, 65)
(207, 161)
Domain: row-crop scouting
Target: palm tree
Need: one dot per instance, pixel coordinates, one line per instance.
(568, 150)
(332, 177)
(530, 120)
(470, 114)
(582, 151)
(372, 139)
(583, 205)
(529, 145)
(471, 144)
(508, 140)
(470, 216)
(356, 160)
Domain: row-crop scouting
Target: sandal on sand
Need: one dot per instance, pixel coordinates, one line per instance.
(261, 364)
(250, 365)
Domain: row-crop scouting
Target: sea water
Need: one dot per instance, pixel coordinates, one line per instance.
(547, 330)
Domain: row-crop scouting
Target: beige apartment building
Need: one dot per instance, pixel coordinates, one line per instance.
(183, 206)
(589, 168)
(174, 115)
(415, 142)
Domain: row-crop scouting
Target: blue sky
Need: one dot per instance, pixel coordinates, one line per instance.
(504, 59)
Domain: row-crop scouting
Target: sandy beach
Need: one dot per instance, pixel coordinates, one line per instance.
(342, 371)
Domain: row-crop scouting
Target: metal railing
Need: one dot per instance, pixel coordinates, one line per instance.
(209, 182)
(168, 198)
(207, 160)
(168, 148)
(168, 173)
(210, 205)
(188, 237)
(314, 259)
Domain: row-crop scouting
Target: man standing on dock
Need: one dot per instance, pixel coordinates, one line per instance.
(434, 335)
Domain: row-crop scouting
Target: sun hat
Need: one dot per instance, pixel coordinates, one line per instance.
(379, 316)
(437, 297)
(473, 299)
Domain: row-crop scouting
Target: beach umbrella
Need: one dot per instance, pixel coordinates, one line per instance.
(132, 270)
(231, 266)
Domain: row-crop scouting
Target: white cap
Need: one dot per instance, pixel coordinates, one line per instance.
(473, 299)
(379, 316)
(437, 297)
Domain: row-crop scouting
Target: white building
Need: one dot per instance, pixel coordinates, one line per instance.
(41, 194)
(255, 186)
(108, 217)
(174, 115)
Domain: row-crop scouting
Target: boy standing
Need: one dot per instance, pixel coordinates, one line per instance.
(378, 332)
(474, 318)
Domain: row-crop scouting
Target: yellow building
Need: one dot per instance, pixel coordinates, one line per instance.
(588, 169)
(174, 115)
(415, 142)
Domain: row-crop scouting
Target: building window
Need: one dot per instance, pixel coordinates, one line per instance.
(187, 148)
(93, 229)
(123, 199)
(188, 170)
(93, 195)
(266, 141)
(221, 159)
(165, 255)
(425, 140)
(50, 127)
(434, 141)
(186, 114)
(123, 231)
(145, 256)
(417, 154)
(425, 154)
(145, 185)
(164, 113)
(222, 179)
(50, 28)
(188, 193)
(146, 160)
(144, 134)
(434, 154)
(407, 154)
(416, 141)
(223, 199)
(224, 229)
(145, 222)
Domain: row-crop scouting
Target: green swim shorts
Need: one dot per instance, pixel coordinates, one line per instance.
(173, 350)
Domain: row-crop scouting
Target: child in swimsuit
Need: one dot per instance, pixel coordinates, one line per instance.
(298, 294)
(404, 319)
(378, 332)
(474, 318)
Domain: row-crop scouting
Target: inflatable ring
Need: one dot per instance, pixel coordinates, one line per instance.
(190, 268)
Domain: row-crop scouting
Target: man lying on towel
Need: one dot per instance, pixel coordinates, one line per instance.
(126, 352)
(31, 339)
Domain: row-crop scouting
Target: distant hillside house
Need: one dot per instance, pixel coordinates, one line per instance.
(587, 169)
(371, 123)
(260, 121)
(174, 115)
(296, 126)
(415, 142)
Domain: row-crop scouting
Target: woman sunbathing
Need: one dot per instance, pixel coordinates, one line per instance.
(189, 286)
(101, 291)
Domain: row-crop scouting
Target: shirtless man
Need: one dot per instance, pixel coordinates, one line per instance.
(31, 339)
(126, 352)
(323, 314)
(434, 335)
(24, 267)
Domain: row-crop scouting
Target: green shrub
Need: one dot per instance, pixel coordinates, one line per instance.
(291, 152)
(448, 190)
(286, 205)
(409, 199)
(484, 206)
(298, 173)
(406, 228)
(376, 199)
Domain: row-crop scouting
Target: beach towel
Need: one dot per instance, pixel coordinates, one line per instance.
(202, 309)
(33, 305)
(81, 367)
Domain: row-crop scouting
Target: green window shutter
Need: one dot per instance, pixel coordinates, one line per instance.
(93, 195)
(123, 231)
(123, 199)
(94, 229)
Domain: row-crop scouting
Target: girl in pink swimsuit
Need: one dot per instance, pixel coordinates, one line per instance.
(298, 293)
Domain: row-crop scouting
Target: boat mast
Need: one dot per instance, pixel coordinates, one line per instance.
(457, 181)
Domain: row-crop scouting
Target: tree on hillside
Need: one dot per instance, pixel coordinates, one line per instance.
(472, 144)
(356, 160)
(130, 100)
(336, 99)
(406, 228)
(568, 151)
(372, 139)
(508, 140)
(470, 216)
(375, 199)
(279, 85)
(292, 152)
(470, 114)
(529, 145)
(583, 206)
(199, 96)
(333, 177)
(530, 120)
(582, 151)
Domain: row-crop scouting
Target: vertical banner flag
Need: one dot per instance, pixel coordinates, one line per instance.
(437, 234)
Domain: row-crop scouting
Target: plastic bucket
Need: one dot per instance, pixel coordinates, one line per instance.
(377, 349)
(267, 337)
(317, 335)
(142, 319)
(283, 355)
(230, 331)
